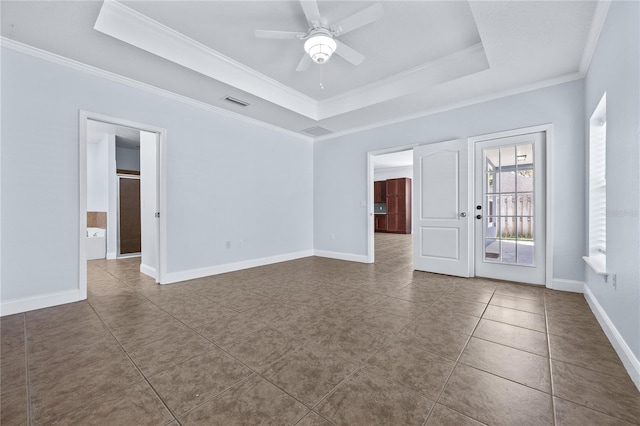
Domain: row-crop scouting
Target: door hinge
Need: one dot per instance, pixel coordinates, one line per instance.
(157, 214)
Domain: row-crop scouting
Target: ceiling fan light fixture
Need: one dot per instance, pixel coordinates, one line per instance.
(320, 48)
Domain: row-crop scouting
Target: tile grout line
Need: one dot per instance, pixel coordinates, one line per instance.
(457, 362)
(553, 396)
(134, 364)
(176, 418)
(362, 367)
(26, 366)
(253, 371)
(551, 382)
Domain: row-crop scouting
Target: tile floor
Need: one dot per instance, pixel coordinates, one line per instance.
(313, 342)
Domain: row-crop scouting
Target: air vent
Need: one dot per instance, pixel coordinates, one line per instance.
(317, 131)
(236, 101)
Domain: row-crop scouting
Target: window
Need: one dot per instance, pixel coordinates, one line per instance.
(598, 187)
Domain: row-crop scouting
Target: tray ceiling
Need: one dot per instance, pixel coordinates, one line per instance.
(420, 57)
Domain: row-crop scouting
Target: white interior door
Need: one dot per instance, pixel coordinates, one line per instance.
(441, 181)
(510, 208)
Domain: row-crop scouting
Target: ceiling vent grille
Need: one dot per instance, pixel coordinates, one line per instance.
(236, 101)
(317, 131)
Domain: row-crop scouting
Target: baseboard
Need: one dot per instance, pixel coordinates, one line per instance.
(628, 358)
(26, 304)
(174, 277)
(112, 256)
(342, 256)
(148, 270)
(567, 285)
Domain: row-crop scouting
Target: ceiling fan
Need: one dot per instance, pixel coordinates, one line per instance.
(321, 38)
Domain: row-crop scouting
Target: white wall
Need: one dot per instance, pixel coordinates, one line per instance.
(148, 206)
(615, 69)
(393, 173)
(98, 176)
(217, 178)
(340, 166)
(127, 158)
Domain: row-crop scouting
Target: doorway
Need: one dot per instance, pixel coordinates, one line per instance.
(132, 200)
(481, 206)
(390, 199)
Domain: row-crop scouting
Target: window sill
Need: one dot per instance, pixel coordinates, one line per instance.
(597, 263)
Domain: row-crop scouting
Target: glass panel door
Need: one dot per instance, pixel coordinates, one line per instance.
(508, 218)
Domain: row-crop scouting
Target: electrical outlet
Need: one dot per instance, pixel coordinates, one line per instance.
(614, 282)
(228, 244)
(611, 279)
(333, 236)
(240, 243)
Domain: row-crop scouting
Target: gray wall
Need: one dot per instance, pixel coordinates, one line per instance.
(340, 166)
(127, 158)
(226, 179)
(615, 69)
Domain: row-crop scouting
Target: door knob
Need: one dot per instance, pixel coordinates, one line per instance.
(463, 214)
(478, 207)
(479, 216)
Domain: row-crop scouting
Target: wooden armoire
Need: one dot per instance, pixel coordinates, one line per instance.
(398, 199)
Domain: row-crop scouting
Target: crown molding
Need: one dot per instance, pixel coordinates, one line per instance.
(599, 16)
(139, 30)
(134, 28)
(108, 75)
(477, 100)
(461, 63)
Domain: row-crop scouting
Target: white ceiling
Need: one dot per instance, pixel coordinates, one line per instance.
(421, 57)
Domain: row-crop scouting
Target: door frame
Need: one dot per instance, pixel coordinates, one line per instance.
(547, 129)
(161, 159)
(371, 255)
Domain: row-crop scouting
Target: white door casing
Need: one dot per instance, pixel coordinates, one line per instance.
(149, 203)
(442, 241)
(161, 198)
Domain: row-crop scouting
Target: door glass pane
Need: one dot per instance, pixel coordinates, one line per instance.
(508, 251)
(508, 211)
(507, 204)
(524, 155)
(524, 205)
(492, 249)
(492, 183)
(491, 205)
(507, 157)
(525, 228)
(507, 227)
(492, 159)
(525, 253)
(508, 181)
(491, 226)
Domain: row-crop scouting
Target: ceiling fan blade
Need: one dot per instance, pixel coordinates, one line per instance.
(311, 12)
(359, 19)
(348, 53)
(279, 34)
(304, 63)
